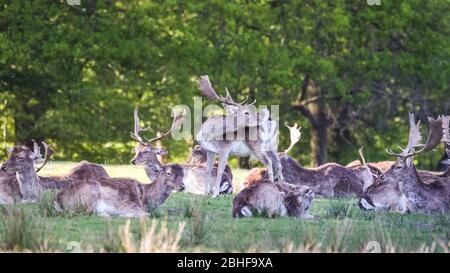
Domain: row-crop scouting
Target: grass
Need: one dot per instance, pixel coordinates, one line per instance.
(191, 223)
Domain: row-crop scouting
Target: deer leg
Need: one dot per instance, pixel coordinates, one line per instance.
(276, 165)
(223, 160)
(265, 159)
(210, 156)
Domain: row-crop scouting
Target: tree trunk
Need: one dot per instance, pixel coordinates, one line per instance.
(312, 105)
(244, 162)
(319, 143)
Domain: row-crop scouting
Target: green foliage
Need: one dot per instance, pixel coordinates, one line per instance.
(73, 74)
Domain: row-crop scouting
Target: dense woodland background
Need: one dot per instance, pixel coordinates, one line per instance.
(346, 71)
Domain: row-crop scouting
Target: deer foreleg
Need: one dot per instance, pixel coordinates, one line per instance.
(276, 165)
(210, 156)
(223, 160)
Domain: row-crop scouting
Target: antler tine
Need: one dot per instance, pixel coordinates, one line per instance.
(177, 120)
(390, 152)
(415, 136)
(138, 129)
(208, 91)
(295, 135)
(36, 150)
(361, 154)
(435, 136)
(48, 153)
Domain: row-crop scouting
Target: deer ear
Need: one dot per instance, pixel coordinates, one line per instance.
(409, 162)
(153, 171)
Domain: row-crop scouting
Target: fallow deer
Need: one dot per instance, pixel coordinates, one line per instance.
(330, 179)
(121, 197)
(274, 199)
(125, 197)
(10, 183)
(26, 187)
(82, 171)
(196, 177)
(425, 193)
(217, 136)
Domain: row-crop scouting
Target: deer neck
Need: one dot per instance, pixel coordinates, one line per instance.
(156, 193)
(148, 171)
(29, 184)
(412, 188)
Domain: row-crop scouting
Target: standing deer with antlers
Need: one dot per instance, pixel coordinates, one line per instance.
(242, 132)
(428, 196)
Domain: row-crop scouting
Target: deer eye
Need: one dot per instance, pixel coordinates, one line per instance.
(169, 173)
(398, 167)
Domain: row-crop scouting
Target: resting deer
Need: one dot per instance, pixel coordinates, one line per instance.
(10, 183)
(426, 193)
(125, 197)
(330, 179)
(217, 136)
(274, 199)
(21, 162)
(196, 176)
(82, 171)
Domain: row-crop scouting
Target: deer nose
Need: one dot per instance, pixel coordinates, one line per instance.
(382, 177)
(133, 161)
(3, 168)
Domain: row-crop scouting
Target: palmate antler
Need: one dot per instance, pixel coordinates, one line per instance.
(37, 153)
(208, 91)
(295, 135)
(434, 137)
(177, 121)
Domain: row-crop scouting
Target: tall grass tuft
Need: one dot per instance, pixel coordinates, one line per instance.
(20, 230)
(198, 228)
(45, 206)
(156, 238)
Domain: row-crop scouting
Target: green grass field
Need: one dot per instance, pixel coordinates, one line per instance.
(207, 226)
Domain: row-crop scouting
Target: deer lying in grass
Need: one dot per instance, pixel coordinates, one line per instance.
(82, 171)
(416, 191)
(22, 160)
(19, 181)
(125, 197)
(196, 176)
(242, 132)
(274, 199)
(330, 179)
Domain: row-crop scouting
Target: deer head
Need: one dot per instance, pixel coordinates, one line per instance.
(22, 158)
(232, 108)
(403, 169)
(171, 175)
(145, 153)
(198, 156)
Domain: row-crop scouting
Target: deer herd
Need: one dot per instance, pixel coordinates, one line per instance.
(282, 188)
